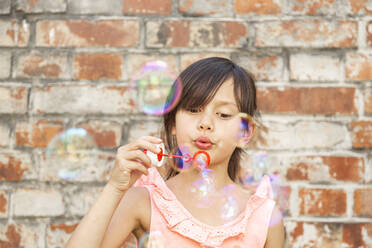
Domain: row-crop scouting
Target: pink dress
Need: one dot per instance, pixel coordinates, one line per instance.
(173, 226)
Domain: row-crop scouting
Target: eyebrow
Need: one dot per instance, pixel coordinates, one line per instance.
(221, 102)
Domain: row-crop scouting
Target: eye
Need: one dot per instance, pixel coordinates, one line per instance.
(193, 110)
(224, 116)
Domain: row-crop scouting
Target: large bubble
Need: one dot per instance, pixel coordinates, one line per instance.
(158, 89)
(68, 153)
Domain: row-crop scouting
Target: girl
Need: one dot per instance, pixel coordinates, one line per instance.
(137, 199)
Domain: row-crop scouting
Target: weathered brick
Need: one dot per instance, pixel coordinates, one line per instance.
(300, 33)
(195, 34)
(59, 233)
(104, 133)
(14, 33)
(37, 133)
(141, 128)
(358, 66)
(37, 202)
(322, 202)
(189, 58)
(16, 166)
(359, 7)
(357, 235)
(258, 7)
(98, 66)
(83, 99)
(4, 202)
(13, 99)
(81, 199)
(4, 134)
(95, 7)
(304, 134)
(40, 6)
(81, 33)
(5, 7)
(325, 168)
(79, 165)
(137, 61)
(315, 100)
(309, 234)
(5, 61)
(363, 202)
(158, 7)
(309, 67)
(22, 235)
(368, 101)
(322, 7)
(42, 65)
(263, 67)
(361, 134)
(204, 7)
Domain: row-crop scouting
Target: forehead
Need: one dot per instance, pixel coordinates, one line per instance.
(225, 93)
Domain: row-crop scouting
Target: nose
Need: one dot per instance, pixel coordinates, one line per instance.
(205, 124)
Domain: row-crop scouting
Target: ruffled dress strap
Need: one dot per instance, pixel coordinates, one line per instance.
(180, 221)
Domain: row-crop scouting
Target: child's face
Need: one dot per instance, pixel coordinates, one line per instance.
(217, 121)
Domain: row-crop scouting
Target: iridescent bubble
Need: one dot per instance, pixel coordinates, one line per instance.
(183, 160)
(158, 89)
(230, 207)
(68, 153)
(247, 125)
(281, 193)
(204, 189)
(252, 172)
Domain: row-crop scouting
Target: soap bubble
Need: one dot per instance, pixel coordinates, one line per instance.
(281, 193)
(154, 239)
(158, 89)
(204, 189)
(230, 207)
(252, 173)
(247, 125)
(68, 153)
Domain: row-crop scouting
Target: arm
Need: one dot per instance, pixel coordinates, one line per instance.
(275, 235)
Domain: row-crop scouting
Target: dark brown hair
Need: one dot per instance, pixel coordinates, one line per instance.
(200, 82)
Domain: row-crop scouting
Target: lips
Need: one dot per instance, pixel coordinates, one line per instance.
(203, 143)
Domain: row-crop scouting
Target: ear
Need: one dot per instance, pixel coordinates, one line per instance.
(173, 131)
(245, 136)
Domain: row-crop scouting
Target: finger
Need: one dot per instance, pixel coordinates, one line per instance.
(138, 155)
(131, 165)
(144, 144)
(152, 139)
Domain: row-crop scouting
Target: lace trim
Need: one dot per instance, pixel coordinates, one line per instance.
(186, 225)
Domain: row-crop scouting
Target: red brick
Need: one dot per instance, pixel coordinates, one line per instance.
(98, 66)
(81, 33)
(4, 202)
(258, 7)
(59, 233)
(14, 33)
(357, 235)
(204, 7)
(22, 235)
(158, 7)
(16, 166)
(326, 168)
(267, 68)
(42, 65)
(363, 202)
(196, 34)
(104, 133)
(322, 7)
(360, 6)
(13, 99)
(314, 100)
(188, 59)
(40, 6)
(310, 234)
(38, 133)
(300, 33)
(109, 99)
(358, 66)
(322, 202)
(368, 101)
(361, 134)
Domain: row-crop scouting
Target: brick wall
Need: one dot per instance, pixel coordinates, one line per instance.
(66, 63)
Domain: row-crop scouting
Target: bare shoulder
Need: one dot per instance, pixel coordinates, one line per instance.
(275, 235)
(139, 200)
